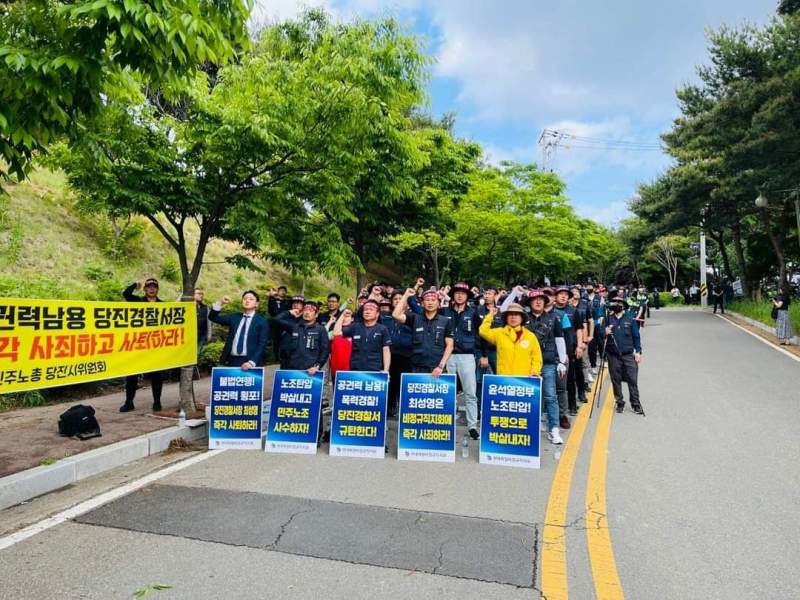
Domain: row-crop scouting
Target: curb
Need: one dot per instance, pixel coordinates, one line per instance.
(759, 325)
(30, 483)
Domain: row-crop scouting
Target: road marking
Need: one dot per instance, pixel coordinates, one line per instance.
(761, 339)
(607, 585)
(554, 536)
(97, 501)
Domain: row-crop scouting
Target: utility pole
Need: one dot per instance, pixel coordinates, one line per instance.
(703, 286)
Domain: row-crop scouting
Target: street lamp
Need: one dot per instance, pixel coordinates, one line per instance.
(761, 201)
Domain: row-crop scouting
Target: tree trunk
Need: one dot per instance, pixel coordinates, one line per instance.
(777, 246)
(736, 234)
(435, 265)
(186, 384)
(719, 239)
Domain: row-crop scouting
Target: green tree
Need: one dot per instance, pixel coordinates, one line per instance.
(262, 152)
(57, 58)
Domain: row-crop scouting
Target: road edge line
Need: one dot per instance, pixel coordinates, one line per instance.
(555, 584)
(761, 339)
(607, 584)
(104, 498)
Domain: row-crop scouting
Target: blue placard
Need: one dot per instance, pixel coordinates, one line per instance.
(510, 412)
(427, 422)
(358, 420)
(294, 412)
(236, 397)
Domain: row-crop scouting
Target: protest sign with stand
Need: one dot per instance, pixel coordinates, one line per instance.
(427, 421)
(236, 397)
(358, 420)
(294, 414)
(510, 412)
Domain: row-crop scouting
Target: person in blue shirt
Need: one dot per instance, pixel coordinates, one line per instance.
(248, 332)
(623, 353)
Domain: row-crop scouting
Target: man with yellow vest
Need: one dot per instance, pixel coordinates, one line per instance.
(518, 351)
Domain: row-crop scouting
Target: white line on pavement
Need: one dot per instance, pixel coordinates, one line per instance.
(105, 498)
(761, 339)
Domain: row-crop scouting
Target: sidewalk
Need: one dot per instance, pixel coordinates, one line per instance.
(29, 436)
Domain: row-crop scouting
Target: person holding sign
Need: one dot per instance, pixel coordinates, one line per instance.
(371, 340)
(432, 333)
(248, 332)
(150, 287)
(518, 351)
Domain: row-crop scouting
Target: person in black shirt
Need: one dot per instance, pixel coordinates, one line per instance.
(371, 340)
(150, 287)
(432, 333)
(277, 303)
(203, 324)
(718, 296)
(466, 341)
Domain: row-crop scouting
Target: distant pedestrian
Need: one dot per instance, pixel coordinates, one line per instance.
(783, 322)
(676, 294)
(718, 296)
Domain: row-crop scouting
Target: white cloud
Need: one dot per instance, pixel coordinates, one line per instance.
(613, 142)
(609, 214)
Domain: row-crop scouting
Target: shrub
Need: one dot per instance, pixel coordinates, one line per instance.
(32, 287)
(211, 355)
(110, 289)
(97, 273)
(22, 400)
(170, 270)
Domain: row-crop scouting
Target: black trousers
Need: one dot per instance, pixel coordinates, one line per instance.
(575, 383)
(156, 383)
(400, 364)
(719, 302)
(624, 368)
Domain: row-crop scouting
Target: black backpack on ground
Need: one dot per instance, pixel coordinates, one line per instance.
(79, 420)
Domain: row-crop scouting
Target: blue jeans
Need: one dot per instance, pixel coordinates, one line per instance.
(463, 365)
(549, 397)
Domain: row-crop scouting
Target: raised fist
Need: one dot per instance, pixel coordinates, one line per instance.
(410, 292)
(225, 300)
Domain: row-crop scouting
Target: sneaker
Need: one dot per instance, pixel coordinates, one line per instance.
(473, 433)
(573, 412)
(554, 436)
(620, 407)
(564, 422)
(156, 406)
(638, 410)
(126, 407)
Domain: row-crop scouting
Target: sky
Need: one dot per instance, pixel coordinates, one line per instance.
(604, 71)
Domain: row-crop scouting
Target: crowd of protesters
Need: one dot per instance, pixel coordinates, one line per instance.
(562, 334)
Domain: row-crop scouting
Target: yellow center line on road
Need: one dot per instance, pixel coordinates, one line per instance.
(607, 584)
(554, 543)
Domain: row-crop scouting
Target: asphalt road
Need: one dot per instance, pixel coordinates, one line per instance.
(701, 502)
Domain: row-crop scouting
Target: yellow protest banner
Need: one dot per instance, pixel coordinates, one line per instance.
(46, 343)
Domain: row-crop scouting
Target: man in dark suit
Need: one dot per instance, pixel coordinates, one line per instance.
(248, 332)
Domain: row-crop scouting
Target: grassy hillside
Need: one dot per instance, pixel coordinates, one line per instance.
(48, 249)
